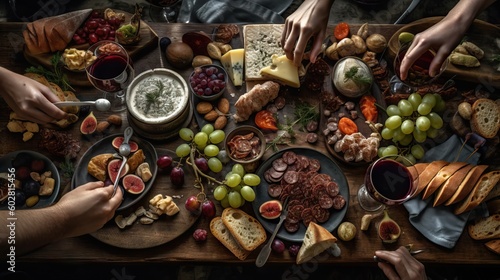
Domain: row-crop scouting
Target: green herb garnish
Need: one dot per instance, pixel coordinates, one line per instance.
(357, 78)
(56, 76)
(152, 96)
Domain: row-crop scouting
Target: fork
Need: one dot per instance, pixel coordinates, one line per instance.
(266, 250)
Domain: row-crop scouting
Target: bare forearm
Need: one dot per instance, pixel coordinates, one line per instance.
(465, 11)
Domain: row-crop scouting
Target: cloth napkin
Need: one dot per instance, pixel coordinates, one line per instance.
(439, 224)
(236, 11)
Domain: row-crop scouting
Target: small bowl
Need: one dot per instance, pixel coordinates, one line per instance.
(348, 87)
(194, 82)
(258, 151)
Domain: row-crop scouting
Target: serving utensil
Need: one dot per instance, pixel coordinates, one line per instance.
(124, 151)
(409, 247)
(100, 104)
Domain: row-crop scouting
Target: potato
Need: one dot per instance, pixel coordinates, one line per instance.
(346, 47)
(359, 43)
(200, 60)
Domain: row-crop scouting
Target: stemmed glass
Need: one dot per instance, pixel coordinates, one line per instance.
(390, 180)
(111, 72)
(162, 10)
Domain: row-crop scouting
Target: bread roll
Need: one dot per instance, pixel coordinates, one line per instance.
(479, 193)
(441, 177)
(467, 184)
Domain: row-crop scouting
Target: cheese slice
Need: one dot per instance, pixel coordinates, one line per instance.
(283, 70)
(232, 61)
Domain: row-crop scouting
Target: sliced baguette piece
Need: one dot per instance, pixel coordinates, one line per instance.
(244, 228)
(429, 172)
(479, 193)
(441, 177)
(449, 187)
(316, 240)
(493, 245)
(485, 119)
(467, 184)
(220, 231)
(494, 193)
(419, 167)
(485, 228)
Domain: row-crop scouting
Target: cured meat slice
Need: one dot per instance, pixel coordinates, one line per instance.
(332, 188)
(274, 190)
(314, 165)
(326, 201)
(291, 177)
(289, 157)
(291, 226)
(279, 164)
(320, 214)
(338, 202)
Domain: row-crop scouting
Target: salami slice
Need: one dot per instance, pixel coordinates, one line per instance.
(291, 226)
(275, 174)
(338, 202)
(307, 216)
(326, 202)
(274, 190)
(289, 157)
(332, 188)
(296, 210)
(279, 164)
(314, 165)
(320, 214)
(291, 177)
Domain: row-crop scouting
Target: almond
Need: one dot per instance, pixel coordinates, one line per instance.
(220, 122)
(211, 116)
(102, 126)
(223, 105)
(204, 107)
(115, 120)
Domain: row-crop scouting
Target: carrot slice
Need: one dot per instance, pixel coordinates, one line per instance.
(341, 31)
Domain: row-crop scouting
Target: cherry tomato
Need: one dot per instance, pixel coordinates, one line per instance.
(265, 120)
(341, 31)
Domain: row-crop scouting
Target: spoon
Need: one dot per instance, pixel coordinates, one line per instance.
(101, 104)
(124, 151)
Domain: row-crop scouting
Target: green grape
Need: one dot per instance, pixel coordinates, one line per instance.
(405, 107)
(247, 193)
(440, 106)
(225, 202)
(186, 134)
(233, 180)
(436, 120)
(227, 175)
(201, 140)
(251, 179)
(432, 133)
(242, 202)
(407, 126)
(380, 151)
(214, 164)
(211, 150)
(223, 157)
(220, 192)
(406, 140)
(392, 110)
(237, 188)
(411, 160)
(217, 136)
(424, 108)
(398, 135)
(183, 150)
(238, 169)
(393, 122)
(429, 98)
(415, 99)
(387, 133)
(234, 199)
(419, 136)
(423, 123)
(417, 151)
(208, 128)
(390, 151)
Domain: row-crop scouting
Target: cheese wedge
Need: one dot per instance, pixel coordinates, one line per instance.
(467, 184)
(233, 62)
(283, 70)
(442, 175)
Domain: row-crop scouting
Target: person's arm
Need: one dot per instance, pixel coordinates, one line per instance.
(401, 265)
(444, 36)
(82, 210)
(310, 20)
(28, 98)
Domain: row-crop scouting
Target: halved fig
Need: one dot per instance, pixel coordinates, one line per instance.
(133, 184)
(198, 41)
(114, 167)
(89, 124)
(117, 141)
(388, 230)
(271, 209)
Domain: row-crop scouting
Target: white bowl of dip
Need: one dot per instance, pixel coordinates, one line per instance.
(352, 84)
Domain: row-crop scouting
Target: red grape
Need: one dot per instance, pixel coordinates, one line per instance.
(164, 161)
(177, 176)
(202, 164)
(207, 80)
(200, 234)
(193, 204)
(278, 246)
(208, 209)
(294, 249)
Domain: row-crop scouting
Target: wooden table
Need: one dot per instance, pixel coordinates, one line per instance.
(184, 248)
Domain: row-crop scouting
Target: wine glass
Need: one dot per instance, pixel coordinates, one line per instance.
(111, 72)
(390, 180)
(162, 10)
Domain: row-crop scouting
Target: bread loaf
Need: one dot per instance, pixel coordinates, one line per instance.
(493, 245)
(429, 172)
(316, 240)
(494, 193)
(449, 187)
(247, 230)
(485, 119)
(485, 228)
(419, 167)
(219, 230)
(479, 193)
(467, 184)
(441, 177)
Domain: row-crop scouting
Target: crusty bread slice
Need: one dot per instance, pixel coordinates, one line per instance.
(429, 172)
(419, 167)
(494, 193)
(485, 119)
(467, 184)
(449, 187)
(244, 228)
(493, 245)
(441, 177)
(479, 193)
(316, 240)
(220, 231)
(485, 228)
(98, 166)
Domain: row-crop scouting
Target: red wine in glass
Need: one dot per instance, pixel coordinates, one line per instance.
(108, 72)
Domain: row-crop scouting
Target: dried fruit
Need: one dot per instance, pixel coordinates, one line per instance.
(89, 124)
(376, 43)
(388, 230)
(223, 105)
(115, 120)
(211, 116)
(220, 122)
(214, 51)
(204, 107)
(271, 209)
(346, 231)
(200, 235)
(133, 184)
(102, 126)
(114, 166)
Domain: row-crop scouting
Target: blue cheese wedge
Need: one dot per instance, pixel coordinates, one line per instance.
(232, 61)
(283, 70)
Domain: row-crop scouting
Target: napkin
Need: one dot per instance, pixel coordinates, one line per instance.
(439, 224)
(236, 11)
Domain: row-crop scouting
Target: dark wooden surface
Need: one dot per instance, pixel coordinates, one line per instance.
(184, 248)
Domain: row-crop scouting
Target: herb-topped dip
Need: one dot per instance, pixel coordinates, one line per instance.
(157, 96)
(352, 77)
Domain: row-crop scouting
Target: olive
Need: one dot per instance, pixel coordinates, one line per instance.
(21, 159)
(31, 187)
(20, 197)
(164, 42)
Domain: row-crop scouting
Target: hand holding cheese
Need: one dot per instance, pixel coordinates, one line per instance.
(283, 70)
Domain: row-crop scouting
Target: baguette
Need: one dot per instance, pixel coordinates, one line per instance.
(485, 228)
(429, 172)
(467, 184)
(493, 245)
(316, 240)
(441, 177)
(479, 193)
(222, 234)
(247, 230)
(485, 119)
(494, 193)
(419, 167)
(449, 187)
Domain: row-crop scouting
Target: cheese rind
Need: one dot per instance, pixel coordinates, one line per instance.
(233, 62)
(283, 70)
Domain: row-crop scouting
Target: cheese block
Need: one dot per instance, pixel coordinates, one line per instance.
(233, 61)
(449, 187)
(442, 175)
(283, 70)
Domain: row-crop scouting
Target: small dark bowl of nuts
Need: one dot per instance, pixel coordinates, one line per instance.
(208, 82)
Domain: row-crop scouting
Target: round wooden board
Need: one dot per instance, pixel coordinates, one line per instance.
(139, 236)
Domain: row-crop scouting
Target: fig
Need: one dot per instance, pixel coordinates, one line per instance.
(179, 55)
(117, 141)
(270, 209)
(114, 166)
(89, 124)
(198, 42)
(388, 230)
(133, 184)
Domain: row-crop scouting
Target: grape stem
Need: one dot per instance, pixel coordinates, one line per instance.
(198, 172)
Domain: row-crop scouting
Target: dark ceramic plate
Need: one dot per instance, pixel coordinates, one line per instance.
(81, 175)
(329, 167)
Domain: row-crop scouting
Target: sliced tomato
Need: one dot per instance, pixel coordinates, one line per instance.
(341, 31)
(265, 120)
(368, 108)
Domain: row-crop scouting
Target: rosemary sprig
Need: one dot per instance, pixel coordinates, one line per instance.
(55, 76)
(152, 96)
(359, 79)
